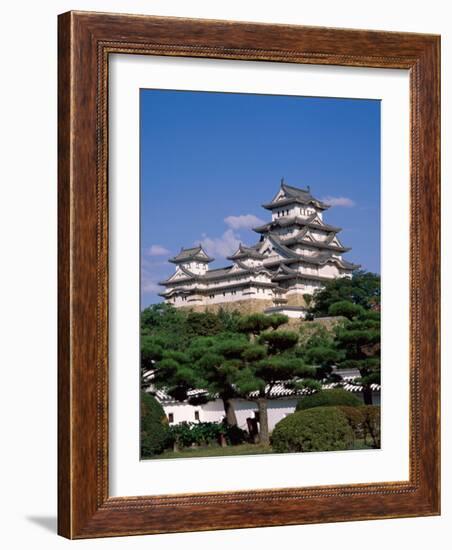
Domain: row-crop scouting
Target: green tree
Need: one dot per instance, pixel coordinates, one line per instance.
(269, 359)
(363, 289)
(154, 429)
(218, 360)
(317, 347)
(358, 341)
(172, 346)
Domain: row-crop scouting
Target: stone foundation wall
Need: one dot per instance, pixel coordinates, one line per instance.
(242, 306)
(295, 300)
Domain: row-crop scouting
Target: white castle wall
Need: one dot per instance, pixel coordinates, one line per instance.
(213, 411)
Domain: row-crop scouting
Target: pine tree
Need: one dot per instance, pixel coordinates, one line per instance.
(268, 360)
(358, 340)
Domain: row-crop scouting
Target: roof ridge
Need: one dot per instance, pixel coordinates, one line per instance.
(286, 185)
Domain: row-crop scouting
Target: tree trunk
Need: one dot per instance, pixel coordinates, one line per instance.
(231, 418)
(367, 395)
(264, 437)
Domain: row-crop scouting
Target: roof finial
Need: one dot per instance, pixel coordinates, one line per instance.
(308, 187)
(282, 180)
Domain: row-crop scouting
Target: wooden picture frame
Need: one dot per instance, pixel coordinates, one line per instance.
(85, 508)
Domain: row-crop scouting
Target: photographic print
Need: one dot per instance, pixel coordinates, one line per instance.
(260, 274)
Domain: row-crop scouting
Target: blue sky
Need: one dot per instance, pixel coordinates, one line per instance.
(209, 160)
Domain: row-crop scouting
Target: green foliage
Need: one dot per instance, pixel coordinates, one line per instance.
(175, 373)
(276, 320)
(235, 435)
(254, 324)
(359, 342)
(328, 398)
(317, 347)
(345, 309)
(279, 341)
(188, 434)
(363, 289)
(273, 369)
(318, 429)
(372, 425)
(356, 418)
(365, 422)
(173, 328)
(155, 433)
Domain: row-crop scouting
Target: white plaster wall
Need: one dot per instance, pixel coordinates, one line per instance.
(213, 411)
(319, 235)
(183, 412)
(329, 270)
(196, 267)
(293, 314)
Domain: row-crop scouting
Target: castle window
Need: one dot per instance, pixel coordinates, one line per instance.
(170, 418)
(196, 415)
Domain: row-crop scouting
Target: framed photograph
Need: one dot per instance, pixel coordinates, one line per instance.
(248, 275)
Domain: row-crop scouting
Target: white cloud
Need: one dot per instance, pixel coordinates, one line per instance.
(152, 271)
(245, 221)
(148, 285)
(157, 250)
(339, 201)
(222, 246)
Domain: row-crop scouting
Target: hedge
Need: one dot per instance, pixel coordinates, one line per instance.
(328, 398)
(372, 425)
(316, 429)
(364, 421)
(155, 432)
(187, 434)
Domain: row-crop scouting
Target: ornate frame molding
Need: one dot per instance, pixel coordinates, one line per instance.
(85, 42)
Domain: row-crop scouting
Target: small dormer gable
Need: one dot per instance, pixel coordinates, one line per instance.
(196, 260)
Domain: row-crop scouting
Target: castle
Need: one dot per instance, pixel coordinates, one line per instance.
(296, 253)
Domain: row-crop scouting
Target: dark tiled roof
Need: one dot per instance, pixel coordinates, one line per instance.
(282, 249)
(189, 254)
(246, 252)
(219, 273)
(318, 259)
(278, 390)
(287, 221)
(276, 309)
(218, 289)
(295, 195)
(298, 239)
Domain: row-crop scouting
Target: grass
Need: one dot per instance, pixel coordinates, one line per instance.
(234, 450)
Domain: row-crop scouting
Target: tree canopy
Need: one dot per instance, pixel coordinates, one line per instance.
(358, 340)
(362, 289)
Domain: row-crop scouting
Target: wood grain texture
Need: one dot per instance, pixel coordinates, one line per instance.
(85, 42)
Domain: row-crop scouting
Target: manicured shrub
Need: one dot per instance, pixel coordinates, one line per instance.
(187, 434)
(365, 422)
(317, 429)
(328, 398)
(155, 433)
(372, 424)
(356, 418)
(235, 435)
